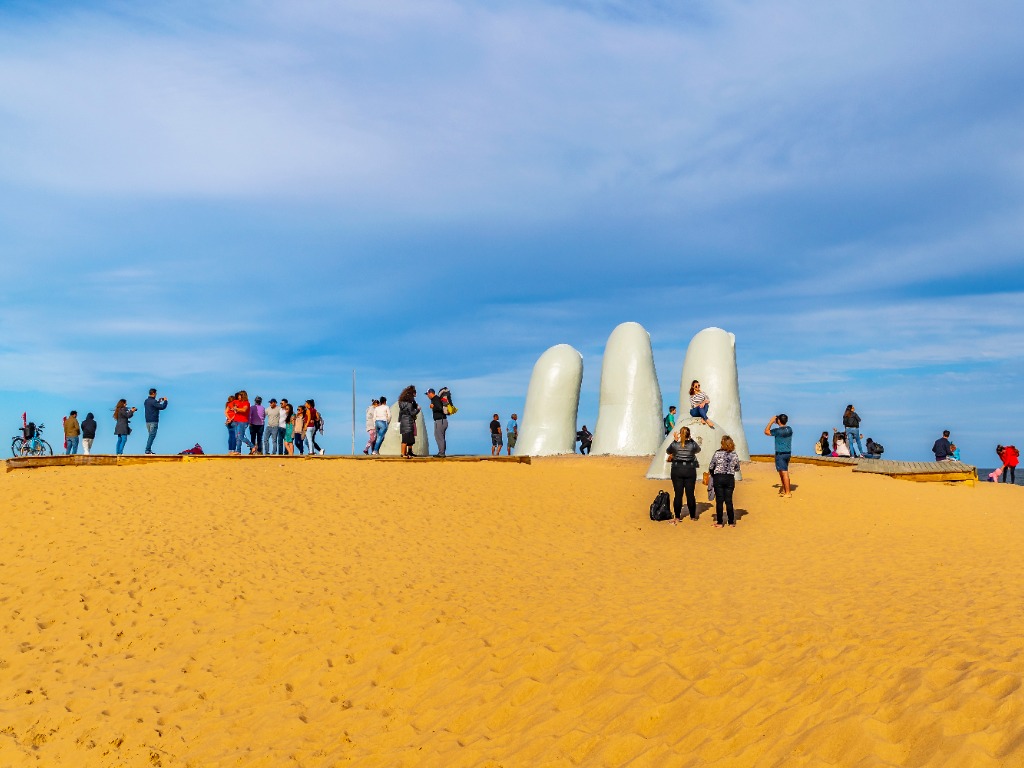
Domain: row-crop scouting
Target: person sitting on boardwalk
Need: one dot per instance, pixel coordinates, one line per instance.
(699, 404)
(1010, 456)
(823, 448)
(875, 450)
(839, 447)
(954, 452)
(942, 447)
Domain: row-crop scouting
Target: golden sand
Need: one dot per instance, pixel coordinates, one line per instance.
(320, 613)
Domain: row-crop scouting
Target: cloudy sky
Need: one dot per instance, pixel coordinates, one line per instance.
(205, 196)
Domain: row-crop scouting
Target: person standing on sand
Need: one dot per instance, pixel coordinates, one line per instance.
(408, 410)
(779, 429)
(88, 433)
(495, 436)
(381, 419)
(683, 453)
(851, 420)
(371, 426)
(942, 447)
(512, 432)
(257, 424)
(440, 422)
(699, 404)
(72, 434)
(1010, 456)
(723, 466)
(271, 429)
(122, 415)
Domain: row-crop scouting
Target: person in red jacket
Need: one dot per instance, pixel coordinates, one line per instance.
(240, 407)
(1010, 456)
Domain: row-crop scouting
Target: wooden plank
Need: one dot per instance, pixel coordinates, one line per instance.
(920, 471)
(34, 462)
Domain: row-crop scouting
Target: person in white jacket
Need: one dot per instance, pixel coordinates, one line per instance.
(371, 425)
(381, 419)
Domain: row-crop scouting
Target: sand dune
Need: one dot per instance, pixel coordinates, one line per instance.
(321, 613)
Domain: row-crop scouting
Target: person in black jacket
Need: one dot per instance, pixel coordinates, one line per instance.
(852, 423)
(408, 410)
(88, 433)
(440, 420)
(683, 453)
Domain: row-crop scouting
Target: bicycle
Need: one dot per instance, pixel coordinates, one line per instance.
(31, 446)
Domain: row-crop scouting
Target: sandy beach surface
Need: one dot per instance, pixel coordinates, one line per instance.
(327, 613)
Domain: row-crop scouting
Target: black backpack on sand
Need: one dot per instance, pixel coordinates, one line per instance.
(661, 508)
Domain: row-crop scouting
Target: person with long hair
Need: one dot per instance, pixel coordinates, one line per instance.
(371, 426)
(314, 424)
(699, 404)
(851, 421)
(1010, 456)
(122, 415)
(381, 420)
(299, 430)
(683, 453)
(288, 419)
(229, 421)
(723, 466)
(408, 409)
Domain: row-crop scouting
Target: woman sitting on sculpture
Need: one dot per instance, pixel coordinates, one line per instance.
(699, 404)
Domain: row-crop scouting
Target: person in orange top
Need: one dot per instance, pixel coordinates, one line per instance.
(240, 408)
(229, 421)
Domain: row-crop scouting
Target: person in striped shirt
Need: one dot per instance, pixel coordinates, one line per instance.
(699, 404)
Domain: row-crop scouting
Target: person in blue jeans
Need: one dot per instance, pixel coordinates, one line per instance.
(779, 429)
(851, 420)
(381, 419)
(153, 407)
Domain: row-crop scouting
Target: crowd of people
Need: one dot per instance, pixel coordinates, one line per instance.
(276, 429)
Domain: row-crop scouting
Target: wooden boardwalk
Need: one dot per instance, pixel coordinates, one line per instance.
(104, 460)
(919, 471)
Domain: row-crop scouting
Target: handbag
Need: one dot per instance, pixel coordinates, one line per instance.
(707, 478)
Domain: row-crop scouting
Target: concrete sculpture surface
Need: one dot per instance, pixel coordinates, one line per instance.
(711, 360)
(392, 445)
(629, 409)
(548, 424)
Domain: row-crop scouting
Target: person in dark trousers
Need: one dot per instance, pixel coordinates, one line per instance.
(823, 447)
(779, 429)
(851, 420)
(152, 408)
(942, 447)
(1010, 456)
(874, 450)
(408, 410)
(440, 421)
(723, 466)
(683, 453)
(585, 438)
(257, 424)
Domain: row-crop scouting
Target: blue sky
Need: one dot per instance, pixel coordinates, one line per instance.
(209, 196)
